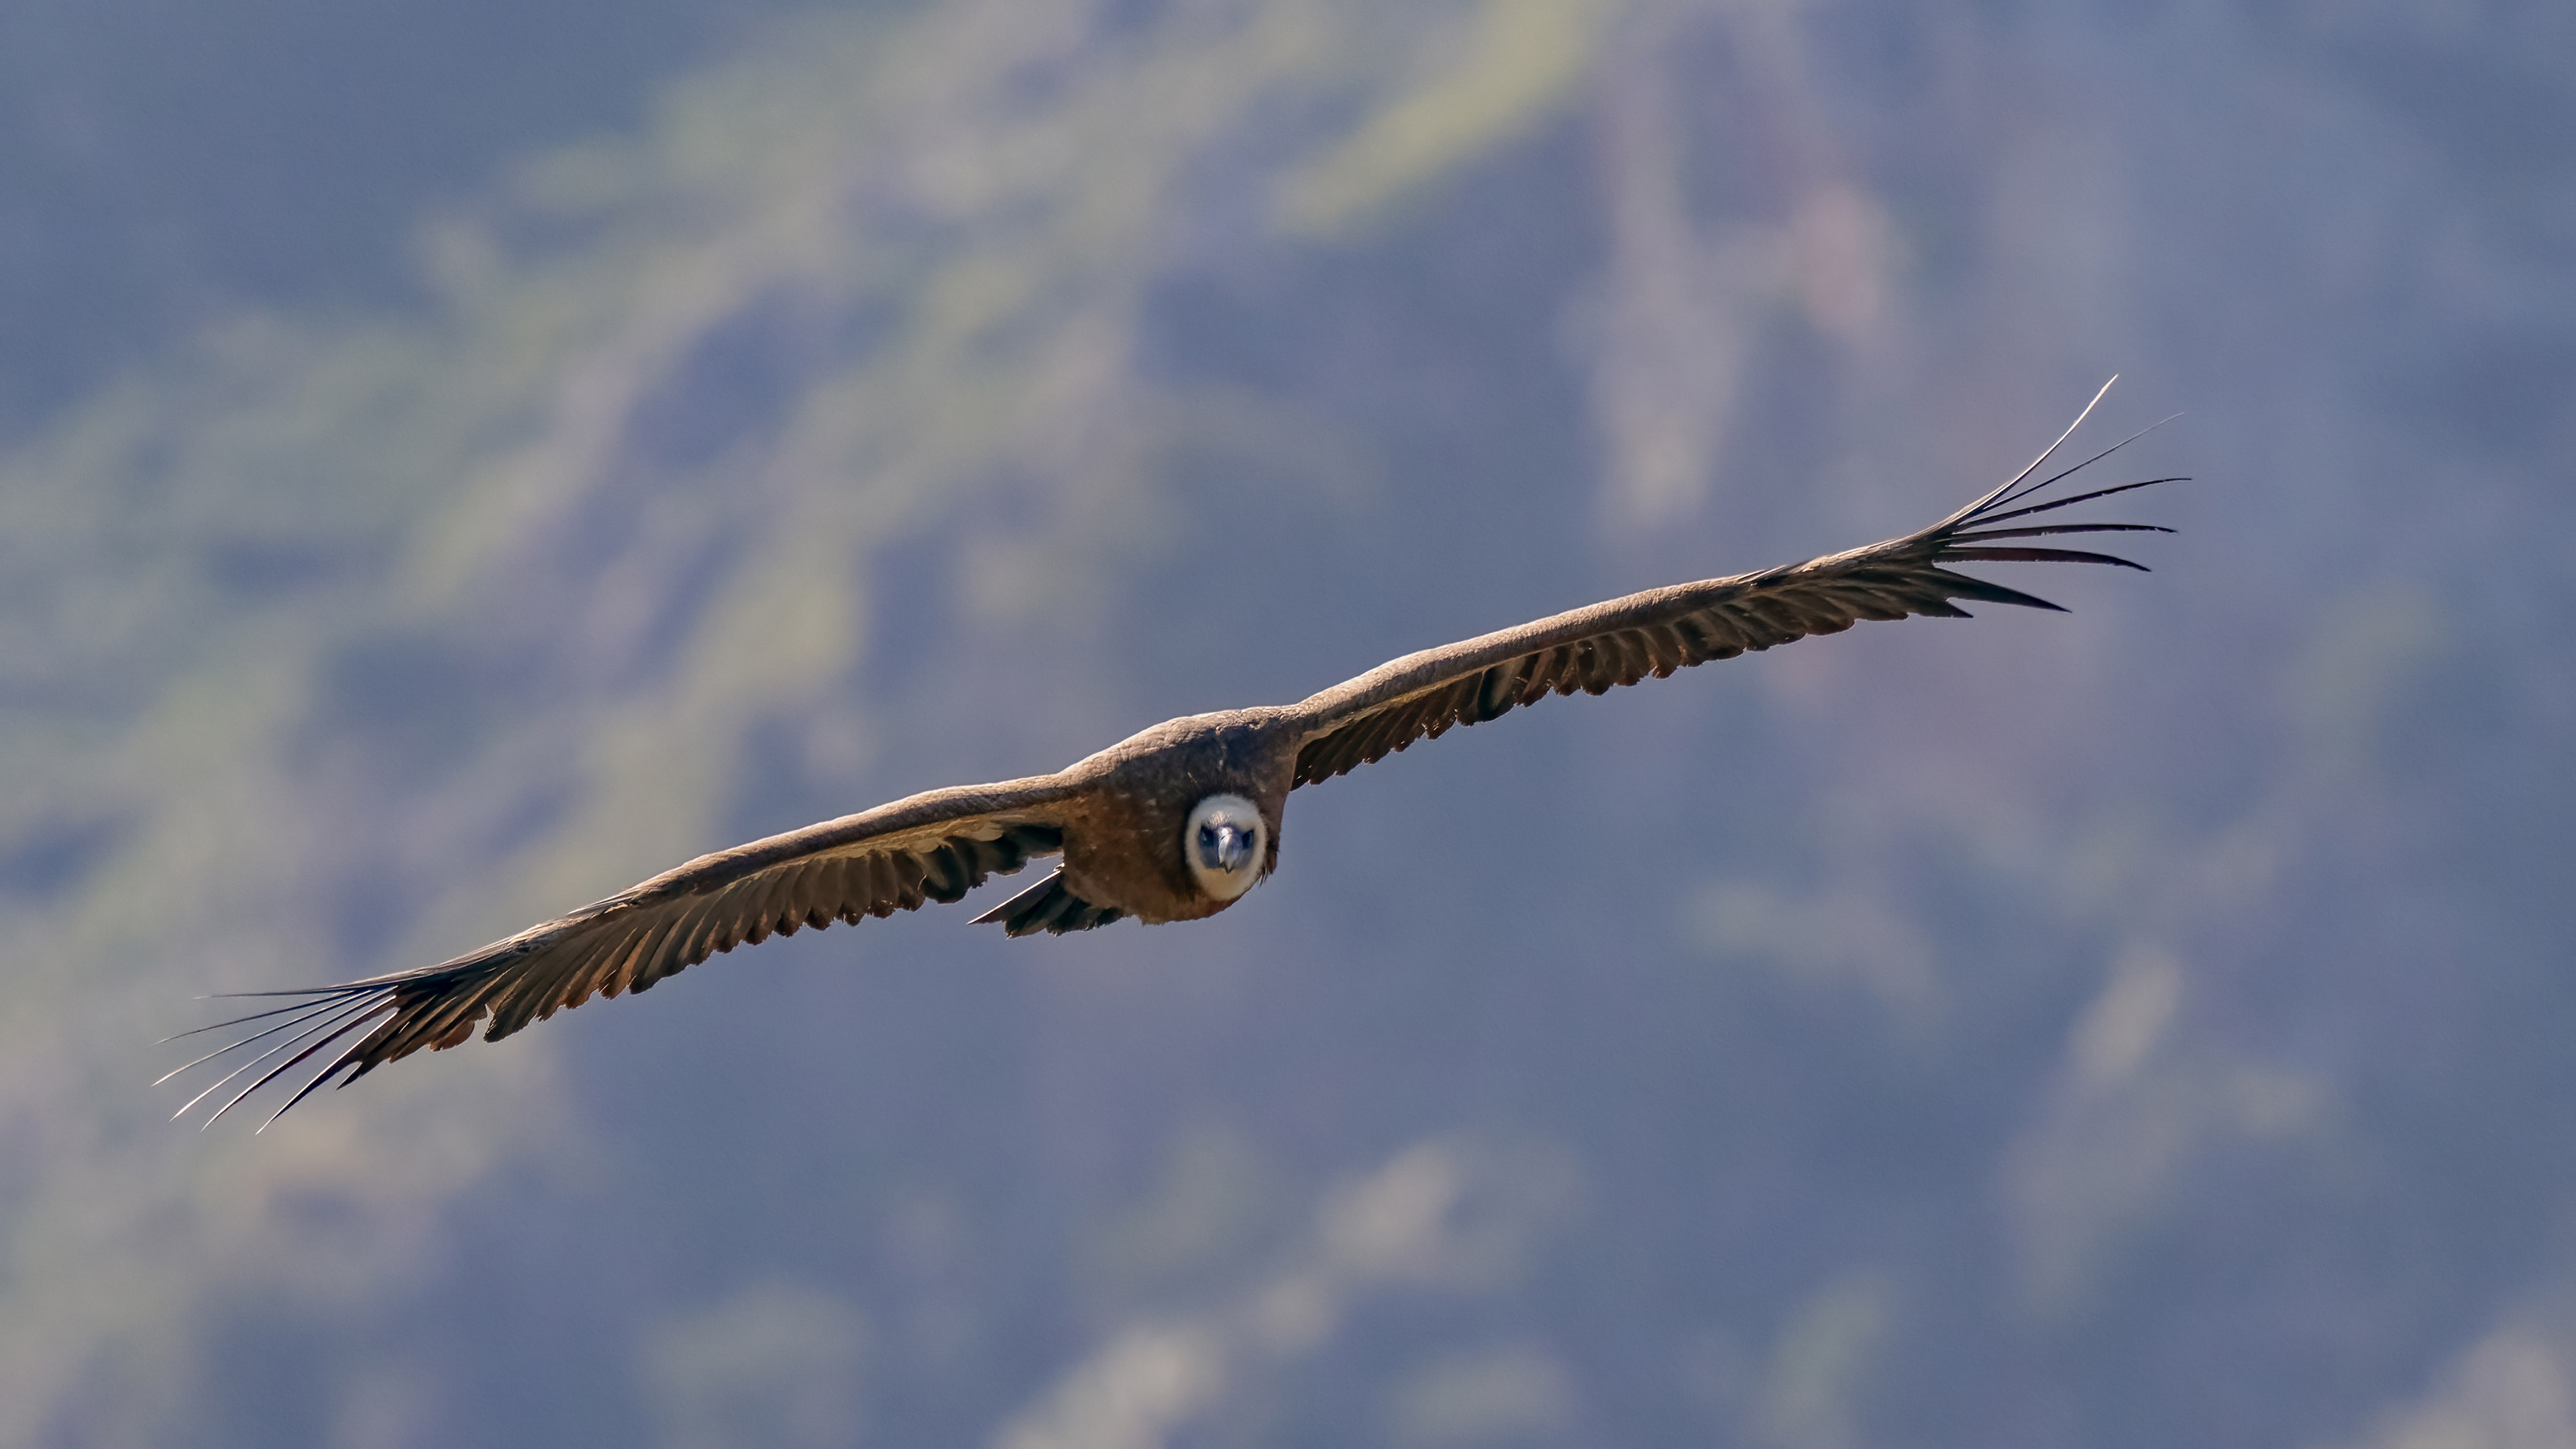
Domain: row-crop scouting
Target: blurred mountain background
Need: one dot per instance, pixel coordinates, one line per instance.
(457, 461)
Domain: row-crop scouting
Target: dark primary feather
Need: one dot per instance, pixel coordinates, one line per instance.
(1421, 696)
(898, 857)
(1049, 906)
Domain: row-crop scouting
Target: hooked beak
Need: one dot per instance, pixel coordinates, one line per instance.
(1225, 846)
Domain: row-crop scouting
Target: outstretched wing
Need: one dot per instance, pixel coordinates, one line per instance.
(931, 847)
(1654, 633)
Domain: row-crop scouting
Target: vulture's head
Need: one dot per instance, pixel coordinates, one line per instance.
(1225, 844)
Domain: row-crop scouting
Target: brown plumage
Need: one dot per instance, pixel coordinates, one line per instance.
(1161, 826)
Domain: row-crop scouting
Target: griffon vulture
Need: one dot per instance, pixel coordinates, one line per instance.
(1173, 824)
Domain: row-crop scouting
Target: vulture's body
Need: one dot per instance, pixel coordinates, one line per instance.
(1172, 824)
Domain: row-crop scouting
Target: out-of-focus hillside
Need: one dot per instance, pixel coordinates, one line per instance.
(2134, 1027)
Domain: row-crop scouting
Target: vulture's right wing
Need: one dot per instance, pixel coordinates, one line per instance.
(931, 847)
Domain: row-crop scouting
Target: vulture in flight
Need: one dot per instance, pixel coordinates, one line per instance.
(1173, 824)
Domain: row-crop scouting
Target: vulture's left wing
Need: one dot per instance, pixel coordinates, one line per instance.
(1656, 632)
